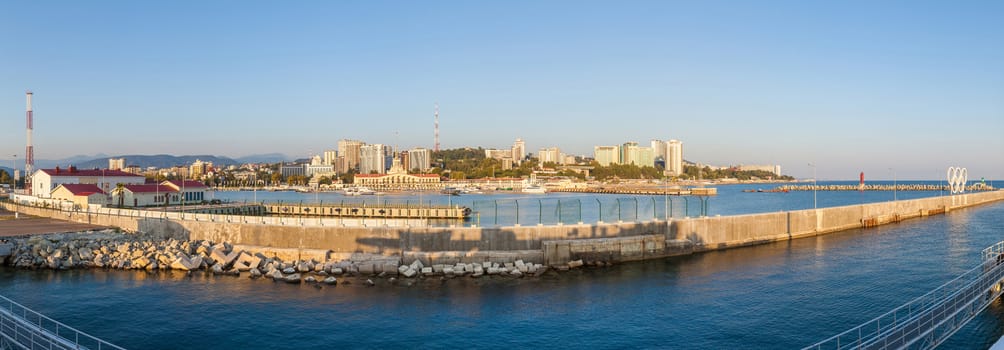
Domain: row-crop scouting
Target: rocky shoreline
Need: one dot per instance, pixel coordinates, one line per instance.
(109, 249)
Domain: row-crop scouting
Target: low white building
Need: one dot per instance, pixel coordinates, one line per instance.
(43, 181)
(82, 195)
(194, 191)
(144, 196)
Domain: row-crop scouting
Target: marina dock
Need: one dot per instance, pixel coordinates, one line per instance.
(370, 211)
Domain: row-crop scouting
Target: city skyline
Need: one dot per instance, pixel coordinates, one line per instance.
(892, 89)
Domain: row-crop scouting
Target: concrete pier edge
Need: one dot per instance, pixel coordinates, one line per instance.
(549, 244)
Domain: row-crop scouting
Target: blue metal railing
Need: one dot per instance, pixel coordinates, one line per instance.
(932, 318)
(23, 328)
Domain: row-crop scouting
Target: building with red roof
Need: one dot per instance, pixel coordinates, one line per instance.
(397, 178)
(44, 181)
(144, 196)
(82, 195)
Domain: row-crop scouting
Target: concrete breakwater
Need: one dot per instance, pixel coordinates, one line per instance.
(904, 187)
(552, 245)
(115, 250)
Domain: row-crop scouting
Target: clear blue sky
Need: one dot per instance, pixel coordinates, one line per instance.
(849, 85)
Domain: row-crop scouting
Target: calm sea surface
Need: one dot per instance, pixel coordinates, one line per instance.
(775, 296)
(501, 208)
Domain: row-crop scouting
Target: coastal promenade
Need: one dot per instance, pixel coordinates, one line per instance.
(28, 225)
(554, 245)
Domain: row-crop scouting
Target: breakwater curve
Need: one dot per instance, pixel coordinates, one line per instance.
(551, 245)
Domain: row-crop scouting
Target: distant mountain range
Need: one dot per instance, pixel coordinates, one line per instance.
(159, 160)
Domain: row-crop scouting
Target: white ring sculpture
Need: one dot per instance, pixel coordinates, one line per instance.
(957, 178)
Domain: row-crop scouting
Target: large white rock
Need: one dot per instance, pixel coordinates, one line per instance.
(417, 265)
(575, 263)
(85, 254)
(289, 270)
(409, 272)
(243, 262)
(140, 263)
(336, 271)
(427, 271)
(195, 263)
(401, 269)
(330, 280)
(181, 263)
(294, 278)
(217, 256)
(231, 258)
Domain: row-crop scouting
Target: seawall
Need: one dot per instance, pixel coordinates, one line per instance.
(552, 245)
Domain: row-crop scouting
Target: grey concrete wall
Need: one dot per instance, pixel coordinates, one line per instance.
(555, 244)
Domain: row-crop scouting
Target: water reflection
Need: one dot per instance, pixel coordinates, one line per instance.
(779, 295)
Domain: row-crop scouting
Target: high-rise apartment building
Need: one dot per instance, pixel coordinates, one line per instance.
(330, 156)
(674, 158)
(518, 151)
(550, 154)
(199, 168)
(659, 150)
(116, 163)
(606, 155)
(637, 155)
(350, 149)
(420, 158)
(375, 158)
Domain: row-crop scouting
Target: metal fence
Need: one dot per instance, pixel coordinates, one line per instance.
(932, 318)
(484, 213)
(507, 212)
(23, 328)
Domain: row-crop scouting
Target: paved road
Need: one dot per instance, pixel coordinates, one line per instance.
(29, 225)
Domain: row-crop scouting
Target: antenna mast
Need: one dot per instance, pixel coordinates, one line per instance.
(437, 128)
(29, 152)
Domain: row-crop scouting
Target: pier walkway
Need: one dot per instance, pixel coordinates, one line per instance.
(23, 328)
(929, 320)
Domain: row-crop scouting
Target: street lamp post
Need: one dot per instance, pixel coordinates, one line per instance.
(13, 184)
(894, 184)
(13, 168)
(814, 205)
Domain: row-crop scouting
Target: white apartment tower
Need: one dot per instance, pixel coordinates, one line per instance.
(674, 158)
(350, 150)
(605, 155)
(518, 151)
(420, 158)
(116, 163)
(373, 159)
(659, 149)
(330, 156)
(550, 154)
